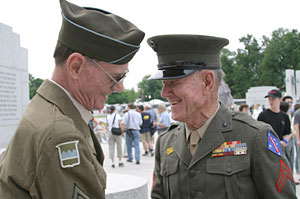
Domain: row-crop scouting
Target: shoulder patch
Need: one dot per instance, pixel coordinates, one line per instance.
(274, 144)
(68, 154)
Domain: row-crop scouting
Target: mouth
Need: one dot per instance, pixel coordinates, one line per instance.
(173, 103)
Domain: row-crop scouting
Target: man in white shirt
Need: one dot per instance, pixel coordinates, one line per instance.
(132, 121)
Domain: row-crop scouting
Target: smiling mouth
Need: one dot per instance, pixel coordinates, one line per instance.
(174, 102)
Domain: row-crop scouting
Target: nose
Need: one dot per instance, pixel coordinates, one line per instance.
(166, 90)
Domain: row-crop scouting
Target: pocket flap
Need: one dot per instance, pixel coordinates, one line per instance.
(169, 166)
(227, 166)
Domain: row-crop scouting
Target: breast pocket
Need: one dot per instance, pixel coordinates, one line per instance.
(230, 168)
(169, 171)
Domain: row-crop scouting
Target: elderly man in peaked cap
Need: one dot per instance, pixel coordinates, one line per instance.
(54, 152)
(212, 152)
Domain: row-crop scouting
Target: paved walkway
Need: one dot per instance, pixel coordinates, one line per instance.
(145, 169)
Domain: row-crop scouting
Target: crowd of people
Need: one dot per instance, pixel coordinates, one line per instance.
(138, 124)
(284, 117)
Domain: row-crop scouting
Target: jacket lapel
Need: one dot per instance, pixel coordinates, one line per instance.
(213, 136)
(180, 145)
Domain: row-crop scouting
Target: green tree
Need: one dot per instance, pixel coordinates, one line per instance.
(282, 52)
(150, 89)
(245, 72)
(34, 84)
(228, 61)
(127, 96)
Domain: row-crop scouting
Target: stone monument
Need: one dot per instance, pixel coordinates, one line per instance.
(14, 83)
(290, 83)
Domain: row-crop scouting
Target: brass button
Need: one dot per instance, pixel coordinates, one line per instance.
(228, 169)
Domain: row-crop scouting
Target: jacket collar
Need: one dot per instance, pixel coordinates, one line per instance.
(58, 97)
(211, 139)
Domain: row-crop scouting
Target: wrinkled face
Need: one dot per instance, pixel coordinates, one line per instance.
(96, 82)
(274, 102)
(186, 96)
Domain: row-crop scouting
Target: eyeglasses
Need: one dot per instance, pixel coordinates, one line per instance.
(116, 81)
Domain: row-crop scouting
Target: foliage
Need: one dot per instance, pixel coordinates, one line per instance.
(127, 96)
(281, 53)
(261, 65)
(34, 84)
(150, 89)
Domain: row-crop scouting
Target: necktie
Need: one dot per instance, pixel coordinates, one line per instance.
(194, 140)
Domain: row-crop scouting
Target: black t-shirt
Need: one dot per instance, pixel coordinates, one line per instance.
(280, 122)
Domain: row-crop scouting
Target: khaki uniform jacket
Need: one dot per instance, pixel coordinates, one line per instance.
(32, 167)
(251, 176)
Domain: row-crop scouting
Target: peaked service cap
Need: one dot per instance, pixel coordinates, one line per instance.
(99, 34)
(182, 55)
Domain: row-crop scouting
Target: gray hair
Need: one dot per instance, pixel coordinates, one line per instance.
(162, 106)
(219, 76)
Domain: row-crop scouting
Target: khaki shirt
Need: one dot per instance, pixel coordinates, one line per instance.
(257, 174)
(37, 164)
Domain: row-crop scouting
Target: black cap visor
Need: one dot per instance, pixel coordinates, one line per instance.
(171, 74)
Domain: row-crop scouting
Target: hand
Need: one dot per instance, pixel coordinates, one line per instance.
(283, 143)
(155, 123)
(298, 142)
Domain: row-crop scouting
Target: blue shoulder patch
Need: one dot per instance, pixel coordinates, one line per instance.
(274, 144)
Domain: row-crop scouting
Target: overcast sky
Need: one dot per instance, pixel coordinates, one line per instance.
(38, 23)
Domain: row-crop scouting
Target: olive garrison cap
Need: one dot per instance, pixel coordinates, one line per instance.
(182, 55)
(99, 34)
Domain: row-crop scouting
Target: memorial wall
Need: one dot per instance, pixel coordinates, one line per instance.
(14, 82)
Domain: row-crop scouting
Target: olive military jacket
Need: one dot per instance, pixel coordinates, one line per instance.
(256, 174)
(54, 153)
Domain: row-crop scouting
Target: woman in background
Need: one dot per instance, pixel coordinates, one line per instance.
(114, 120)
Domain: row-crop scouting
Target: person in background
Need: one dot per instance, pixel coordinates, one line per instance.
(114, 120)
(290, 113)
(284, 106)
(170, 114)
(125, 155)
(278, 119)
(164, 119)
(296, 123)
(153, 129)
(131, 122)
(211, 152)
(289, 100)
(244, 108)
(54, 153)
(145, 131)
(256, 111)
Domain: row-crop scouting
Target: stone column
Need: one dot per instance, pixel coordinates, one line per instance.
(14, 83)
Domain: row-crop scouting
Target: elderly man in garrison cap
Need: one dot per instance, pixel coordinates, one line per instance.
(54, 152)
(212, 152)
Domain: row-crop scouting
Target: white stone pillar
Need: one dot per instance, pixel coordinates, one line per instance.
(297, 86)
(14, 83)
(290, 83)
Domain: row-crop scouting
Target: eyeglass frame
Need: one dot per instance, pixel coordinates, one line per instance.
(111, 77)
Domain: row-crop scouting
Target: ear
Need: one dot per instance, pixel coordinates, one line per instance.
(208, 80)
(74, 64)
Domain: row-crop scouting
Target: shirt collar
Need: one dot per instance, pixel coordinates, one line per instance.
(203, 128)
(85, 114)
